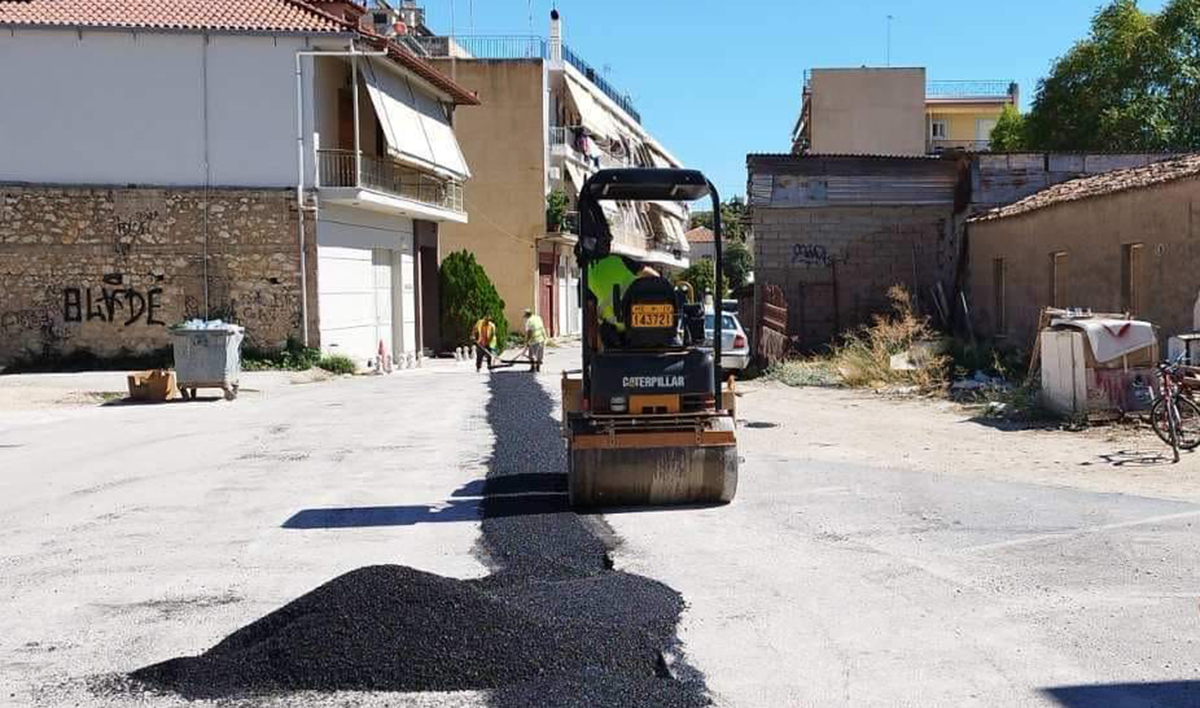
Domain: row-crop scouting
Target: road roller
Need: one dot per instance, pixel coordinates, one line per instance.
(646, 419)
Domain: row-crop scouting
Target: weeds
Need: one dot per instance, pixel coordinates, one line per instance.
(803, 372)
(337, 364)
(293, 357)
(864, 357)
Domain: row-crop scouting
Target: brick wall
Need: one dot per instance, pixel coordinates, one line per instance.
(109, 269)
(836, 264)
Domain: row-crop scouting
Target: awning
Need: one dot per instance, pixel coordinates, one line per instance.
(576, 174)
(591, 114)
(414, 123)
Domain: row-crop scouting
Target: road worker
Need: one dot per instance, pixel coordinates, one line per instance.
(535, 339)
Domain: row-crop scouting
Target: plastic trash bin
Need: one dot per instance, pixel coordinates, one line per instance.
(207, 355)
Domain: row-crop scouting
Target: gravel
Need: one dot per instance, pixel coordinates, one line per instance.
(553, 625)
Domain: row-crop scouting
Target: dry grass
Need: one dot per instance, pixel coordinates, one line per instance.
(863, 359)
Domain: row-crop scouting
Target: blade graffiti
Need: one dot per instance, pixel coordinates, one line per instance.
(115, 305)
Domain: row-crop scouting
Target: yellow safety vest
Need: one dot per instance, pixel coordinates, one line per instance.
(535, 330)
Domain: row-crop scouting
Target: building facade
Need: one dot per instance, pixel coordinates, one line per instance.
(896, 111)
(1119, 241)
(275, 163)
(548, 121)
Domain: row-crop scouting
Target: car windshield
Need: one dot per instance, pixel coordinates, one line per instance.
(727, 322)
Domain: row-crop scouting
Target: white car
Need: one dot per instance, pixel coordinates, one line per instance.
(735, 346)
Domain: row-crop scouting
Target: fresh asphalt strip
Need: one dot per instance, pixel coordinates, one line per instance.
(553, 625)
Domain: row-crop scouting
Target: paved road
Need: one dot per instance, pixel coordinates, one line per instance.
(131, 534)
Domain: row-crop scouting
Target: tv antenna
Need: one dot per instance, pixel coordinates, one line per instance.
(890, 18)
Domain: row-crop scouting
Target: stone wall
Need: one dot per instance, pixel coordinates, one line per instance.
(836, 264)
(108, 270)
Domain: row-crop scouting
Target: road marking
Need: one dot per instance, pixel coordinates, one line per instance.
(1080, 532)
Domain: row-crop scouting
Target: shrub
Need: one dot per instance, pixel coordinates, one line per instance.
(864, 357)
(738, 264)
(337, 364)
(293, 357)
(467, 294)
(701, 275)
(556, 209)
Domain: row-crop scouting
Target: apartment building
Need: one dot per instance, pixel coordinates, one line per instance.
(896, 111)
(281, 164)
(548, 121)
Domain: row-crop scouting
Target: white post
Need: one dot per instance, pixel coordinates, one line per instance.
(357, 137)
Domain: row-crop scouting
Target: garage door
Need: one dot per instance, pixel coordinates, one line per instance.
(360, 286)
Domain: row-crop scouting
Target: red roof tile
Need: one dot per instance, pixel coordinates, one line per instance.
(700, 234)
(216, 15)
(1099, 185)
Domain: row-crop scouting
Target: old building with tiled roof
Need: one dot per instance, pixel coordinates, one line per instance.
(1118, 241)
(278, 163)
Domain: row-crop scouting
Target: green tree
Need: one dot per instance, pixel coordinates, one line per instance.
(733, 219)
(737, 264)
(1009, 133)
(466, 295)
(1130, 85)
(701, 275)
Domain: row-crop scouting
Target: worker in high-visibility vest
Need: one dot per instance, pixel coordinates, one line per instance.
(612, 271)
(535, 339)
(483, 335)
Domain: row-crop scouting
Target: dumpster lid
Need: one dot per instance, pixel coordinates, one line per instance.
(212, 326)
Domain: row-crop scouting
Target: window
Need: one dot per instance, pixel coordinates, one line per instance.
(1131, 277)
(998, 297)
(937, 129)
(1058, 279)
(984, 128)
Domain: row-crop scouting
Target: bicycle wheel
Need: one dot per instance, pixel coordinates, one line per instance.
(1158, 420)
(1188, 428)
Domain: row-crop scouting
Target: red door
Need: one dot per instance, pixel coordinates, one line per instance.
(546, 296)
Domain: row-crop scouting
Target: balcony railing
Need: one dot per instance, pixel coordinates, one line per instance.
(621, 99)
(569, 224)
(337, 168)
(936, 145)
(968, 89)
(563, 138)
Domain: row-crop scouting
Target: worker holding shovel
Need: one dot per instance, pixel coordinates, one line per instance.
(483, 335)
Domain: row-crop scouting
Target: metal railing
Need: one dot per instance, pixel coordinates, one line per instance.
(968, 89)
(937, 145)
(563, 137)
(621, 99)
(336, 168)
(486, 46)
(568, 225)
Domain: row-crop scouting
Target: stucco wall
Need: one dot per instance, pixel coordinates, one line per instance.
(868, 111)
(1165, 219)
(117, 107)
(504, 142)
(111, 269)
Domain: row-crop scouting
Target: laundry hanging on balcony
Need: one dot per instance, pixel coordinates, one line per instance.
(415, 123)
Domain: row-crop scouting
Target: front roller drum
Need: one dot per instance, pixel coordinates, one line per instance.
(652, 476)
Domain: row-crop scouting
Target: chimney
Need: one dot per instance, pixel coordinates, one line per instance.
(555, 40)
(411, 14)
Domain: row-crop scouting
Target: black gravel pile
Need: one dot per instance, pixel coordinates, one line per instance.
(553, 625)
(394, 628)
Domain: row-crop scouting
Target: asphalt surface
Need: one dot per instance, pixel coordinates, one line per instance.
(133, 534)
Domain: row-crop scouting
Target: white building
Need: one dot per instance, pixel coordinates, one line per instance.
(180, 97)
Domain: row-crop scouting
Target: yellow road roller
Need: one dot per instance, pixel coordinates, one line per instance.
(645, 418)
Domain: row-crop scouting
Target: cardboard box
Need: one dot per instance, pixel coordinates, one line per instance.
(153, 385)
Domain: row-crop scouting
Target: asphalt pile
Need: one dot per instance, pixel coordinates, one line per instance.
(553, 625)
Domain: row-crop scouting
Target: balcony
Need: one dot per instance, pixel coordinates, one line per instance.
(562, 144)
(934, 146)
(401, 187)
(970, 90)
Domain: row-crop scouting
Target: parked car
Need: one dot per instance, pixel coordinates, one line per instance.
(735, 346)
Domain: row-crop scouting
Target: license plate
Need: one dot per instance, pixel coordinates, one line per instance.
(656, 316)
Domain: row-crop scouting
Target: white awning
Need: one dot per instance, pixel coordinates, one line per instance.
(576, 174)
(414, 123)
(591, 114)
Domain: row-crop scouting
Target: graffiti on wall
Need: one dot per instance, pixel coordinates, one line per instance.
(136, 217)
(812, 254)
(113, 302)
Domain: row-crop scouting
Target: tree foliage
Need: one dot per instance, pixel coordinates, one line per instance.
(1009, 133)
(738, 263)
(1131, 85)
(466, 295)
(701, 275)
(733, 219)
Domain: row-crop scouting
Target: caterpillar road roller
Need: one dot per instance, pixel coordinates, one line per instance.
(645, 418)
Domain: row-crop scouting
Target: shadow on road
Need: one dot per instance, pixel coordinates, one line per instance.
(1160, 694)
(1137, 458)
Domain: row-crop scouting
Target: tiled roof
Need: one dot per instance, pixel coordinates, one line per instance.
(215, 15)
(700, 234)
(1099, 185)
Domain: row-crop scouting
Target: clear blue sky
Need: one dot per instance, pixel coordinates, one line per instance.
(715, 80)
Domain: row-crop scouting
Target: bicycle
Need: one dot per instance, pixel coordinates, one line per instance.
(1174, 416)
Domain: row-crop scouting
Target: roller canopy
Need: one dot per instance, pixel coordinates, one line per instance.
(664, 185)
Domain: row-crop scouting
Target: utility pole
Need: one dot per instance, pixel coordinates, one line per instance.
(889, 39)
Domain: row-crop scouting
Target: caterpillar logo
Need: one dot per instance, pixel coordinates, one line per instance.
(652, 382)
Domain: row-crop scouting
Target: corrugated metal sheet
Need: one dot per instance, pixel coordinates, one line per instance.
(791, 191)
